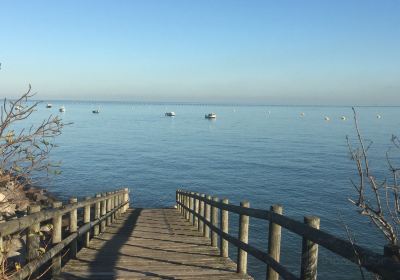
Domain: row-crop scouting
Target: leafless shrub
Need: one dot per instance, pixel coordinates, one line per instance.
(24, 151)
(376, 199)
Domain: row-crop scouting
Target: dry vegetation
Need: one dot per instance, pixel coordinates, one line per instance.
(377, 199)
(24, 161)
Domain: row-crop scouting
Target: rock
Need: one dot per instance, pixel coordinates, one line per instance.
(38, 197)
(10, 185)
(22, 205)
(2, 197)
(7, 209)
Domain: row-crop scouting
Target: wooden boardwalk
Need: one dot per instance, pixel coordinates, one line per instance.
(150, 244)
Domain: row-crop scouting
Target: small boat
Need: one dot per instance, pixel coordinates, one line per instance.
(170, 114)
(211, 116)
(343, 118)
(96, 111)
(302, 114)
(49, 105)
(62, 109)
(18, 107)
(378, 116)
(327, 119)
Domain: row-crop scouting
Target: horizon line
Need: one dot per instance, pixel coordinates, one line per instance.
(191, 103)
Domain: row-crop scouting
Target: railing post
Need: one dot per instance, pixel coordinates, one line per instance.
(108, 209)
(196, 210)
(96, 229)
(187, 213)
(103, 211)
(73, 227)
(116, 204)
(244, 237)
(56, 238)
(207, 214)
(86, 219)
(309, 254)
(191, 207)
(184, 204)
(201, 212)
(112, 208)
(180, 200)
(214, 222)
(274, 242)
(225, 229)
(177, 199)
(126, 199)
(33, 237)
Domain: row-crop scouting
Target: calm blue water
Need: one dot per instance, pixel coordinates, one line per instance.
(245, 154)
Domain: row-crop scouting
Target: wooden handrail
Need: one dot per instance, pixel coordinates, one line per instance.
(368, 259)
(32, 266)
(117, 203)
(22, 223)
(258, 254)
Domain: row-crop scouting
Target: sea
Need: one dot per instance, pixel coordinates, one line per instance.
(288, 155)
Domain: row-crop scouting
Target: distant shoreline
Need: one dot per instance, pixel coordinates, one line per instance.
(162, 103)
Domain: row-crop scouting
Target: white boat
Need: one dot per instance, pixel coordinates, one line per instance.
(302, 114)
(62, 109)
(211, 116)
(343, 118)
(96, 111)
(18, 107)
(170, 114)
(378, 116)
(49, 105)
(327, 119)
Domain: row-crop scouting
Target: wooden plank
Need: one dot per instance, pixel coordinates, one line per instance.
(150, 244)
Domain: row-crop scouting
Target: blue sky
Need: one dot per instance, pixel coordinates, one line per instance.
(265, 52)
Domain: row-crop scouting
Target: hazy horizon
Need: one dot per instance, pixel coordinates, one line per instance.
(242, 52)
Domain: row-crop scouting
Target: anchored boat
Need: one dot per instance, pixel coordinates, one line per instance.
(170, 114)
(211, 116)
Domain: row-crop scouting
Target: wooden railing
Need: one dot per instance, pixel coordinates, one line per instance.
(107, 207)
(203, 212)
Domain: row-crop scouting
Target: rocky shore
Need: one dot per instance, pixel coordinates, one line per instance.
(15, 199)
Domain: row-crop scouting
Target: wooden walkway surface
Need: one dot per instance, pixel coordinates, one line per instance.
(150, 244)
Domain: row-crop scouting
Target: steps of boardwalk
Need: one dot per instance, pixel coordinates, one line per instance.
(150, 244)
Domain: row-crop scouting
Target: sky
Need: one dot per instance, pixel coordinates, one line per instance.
(309, 52)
